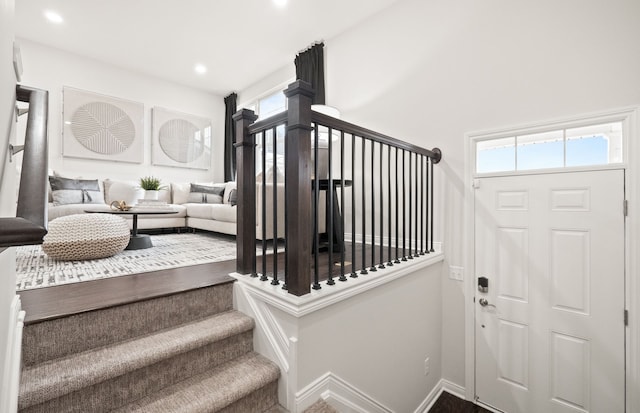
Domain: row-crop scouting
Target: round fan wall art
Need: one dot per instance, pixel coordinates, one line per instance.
(180, 140)
(103, 128)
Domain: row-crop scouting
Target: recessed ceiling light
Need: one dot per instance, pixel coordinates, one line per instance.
(200, 68)
(280, 3)
(53, 17)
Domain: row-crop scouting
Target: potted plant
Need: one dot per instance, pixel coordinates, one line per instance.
(151, 186)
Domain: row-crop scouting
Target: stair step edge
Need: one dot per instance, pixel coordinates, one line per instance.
(212, 390)
(55, 378)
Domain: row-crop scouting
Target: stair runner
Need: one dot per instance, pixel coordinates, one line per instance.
(185, 352)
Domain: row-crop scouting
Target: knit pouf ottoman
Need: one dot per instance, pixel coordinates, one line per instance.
(86, 237)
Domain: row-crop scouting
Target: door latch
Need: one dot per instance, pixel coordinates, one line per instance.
(485, 303)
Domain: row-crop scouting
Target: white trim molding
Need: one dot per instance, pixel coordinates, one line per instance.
(329, 295)
(339, 394)
(443, 385)
(11, 376)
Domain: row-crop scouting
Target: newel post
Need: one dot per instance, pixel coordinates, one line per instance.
(246, 188)
(298, 184)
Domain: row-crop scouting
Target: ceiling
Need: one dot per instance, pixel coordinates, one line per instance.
(239, 41)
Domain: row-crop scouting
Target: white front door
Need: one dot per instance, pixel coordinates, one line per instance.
(550, 327)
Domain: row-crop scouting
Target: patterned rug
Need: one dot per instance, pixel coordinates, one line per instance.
(34, 269)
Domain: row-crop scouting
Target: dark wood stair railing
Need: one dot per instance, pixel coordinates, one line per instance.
(29, 226)
(301, 197)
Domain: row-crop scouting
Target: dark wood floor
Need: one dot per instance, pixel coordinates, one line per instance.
(448, 403)
(58, 301)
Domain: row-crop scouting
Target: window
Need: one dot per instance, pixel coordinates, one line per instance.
(268, 105)
(589, 145)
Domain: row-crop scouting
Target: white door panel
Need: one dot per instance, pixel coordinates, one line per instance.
(551, 338)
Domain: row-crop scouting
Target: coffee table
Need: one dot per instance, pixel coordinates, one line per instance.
(137, 241)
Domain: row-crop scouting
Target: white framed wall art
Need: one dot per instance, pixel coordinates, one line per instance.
(102, 127)
(180, 139)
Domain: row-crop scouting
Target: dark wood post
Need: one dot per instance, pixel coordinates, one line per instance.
(246, 188)
(298, 184)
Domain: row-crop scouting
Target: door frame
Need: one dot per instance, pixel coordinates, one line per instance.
(630, 117)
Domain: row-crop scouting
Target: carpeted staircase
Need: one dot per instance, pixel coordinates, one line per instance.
(186, 352)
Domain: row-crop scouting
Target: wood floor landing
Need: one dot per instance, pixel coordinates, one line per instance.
(62, 300)
(47, 303)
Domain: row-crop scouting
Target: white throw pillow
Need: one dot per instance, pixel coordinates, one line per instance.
(127, 191)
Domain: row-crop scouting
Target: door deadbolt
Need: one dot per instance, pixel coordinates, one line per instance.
(483, 284)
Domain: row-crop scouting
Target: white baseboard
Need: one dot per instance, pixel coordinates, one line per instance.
(11, 376)
(339, 394)
(443, 385)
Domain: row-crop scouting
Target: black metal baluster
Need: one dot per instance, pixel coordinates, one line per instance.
(427, 203)
(422, 223)
(397, 261)
(389, 246)
(373, 209)
(354, 273)
(329, 197)
(431, 189)
(404, 205)
(381, 210)
(274, 280)
(410, 255)
(264, 207)
(417, 227)
(364, 209)
(342, 184)
(316, 195)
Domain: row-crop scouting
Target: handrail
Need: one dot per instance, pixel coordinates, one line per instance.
(268, 123)
(350, 128)
(29, 225)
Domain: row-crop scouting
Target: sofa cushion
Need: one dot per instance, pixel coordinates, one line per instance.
(206, 194)
(217, 212)
(75, 191)
(57, 211)
(224, 213)
(127, 191)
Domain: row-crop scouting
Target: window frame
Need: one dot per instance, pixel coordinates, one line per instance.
(622, 116)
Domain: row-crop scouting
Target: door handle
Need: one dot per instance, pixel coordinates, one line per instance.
(485, 303)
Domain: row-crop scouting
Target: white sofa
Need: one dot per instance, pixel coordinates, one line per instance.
(217, 217)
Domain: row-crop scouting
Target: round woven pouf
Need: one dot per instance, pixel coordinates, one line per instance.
(86, 237)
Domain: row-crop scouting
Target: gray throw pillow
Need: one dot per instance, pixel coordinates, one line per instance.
(202, 194)
(233, 197)
(75, 191)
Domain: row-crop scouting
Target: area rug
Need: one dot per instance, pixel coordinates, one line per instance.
(34, 269)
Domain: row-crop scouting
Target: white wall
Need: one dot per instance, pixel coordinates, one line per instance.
(359, 343)
(51, 69)
(7, 197)
(429, 71)
(378, 341)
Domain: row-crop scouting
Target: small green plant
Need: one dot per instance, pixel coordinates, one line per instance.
(151, 183)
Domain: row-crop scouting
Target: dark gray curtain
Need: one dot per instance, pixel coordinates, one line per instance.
(230, 138)
(310, 68)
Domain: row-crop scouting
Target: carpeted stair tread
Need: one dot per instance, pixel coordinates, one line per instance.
(213, 390)
(58, 377)
(77, 333)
